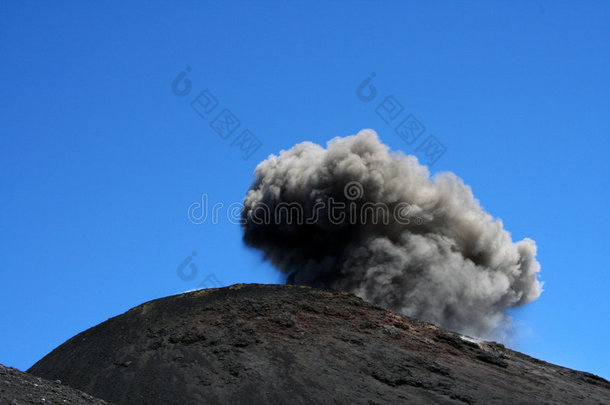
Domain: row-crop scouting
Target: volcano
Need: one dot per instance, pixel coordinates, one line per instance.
(255, 344)
(19, 388)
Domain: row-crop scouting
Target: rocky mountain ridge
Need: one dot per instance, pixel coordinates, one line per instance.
(290, 344)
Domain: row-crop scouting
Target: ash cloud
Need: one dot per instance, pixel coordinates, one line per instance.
(447, 262)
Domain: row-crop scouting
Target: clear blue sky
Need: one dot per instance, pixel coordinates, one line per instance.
(99, 159)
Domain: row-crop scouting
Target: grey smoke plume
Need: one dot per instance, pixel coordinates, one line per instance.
(438, 256)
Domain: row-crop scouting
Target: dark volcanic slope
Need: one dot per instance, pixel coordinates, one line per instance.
(287, 344)
(19, 388)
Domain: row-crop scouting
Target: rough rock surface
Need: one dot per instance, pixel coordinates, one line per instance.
(19, 388)
(287, 344)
